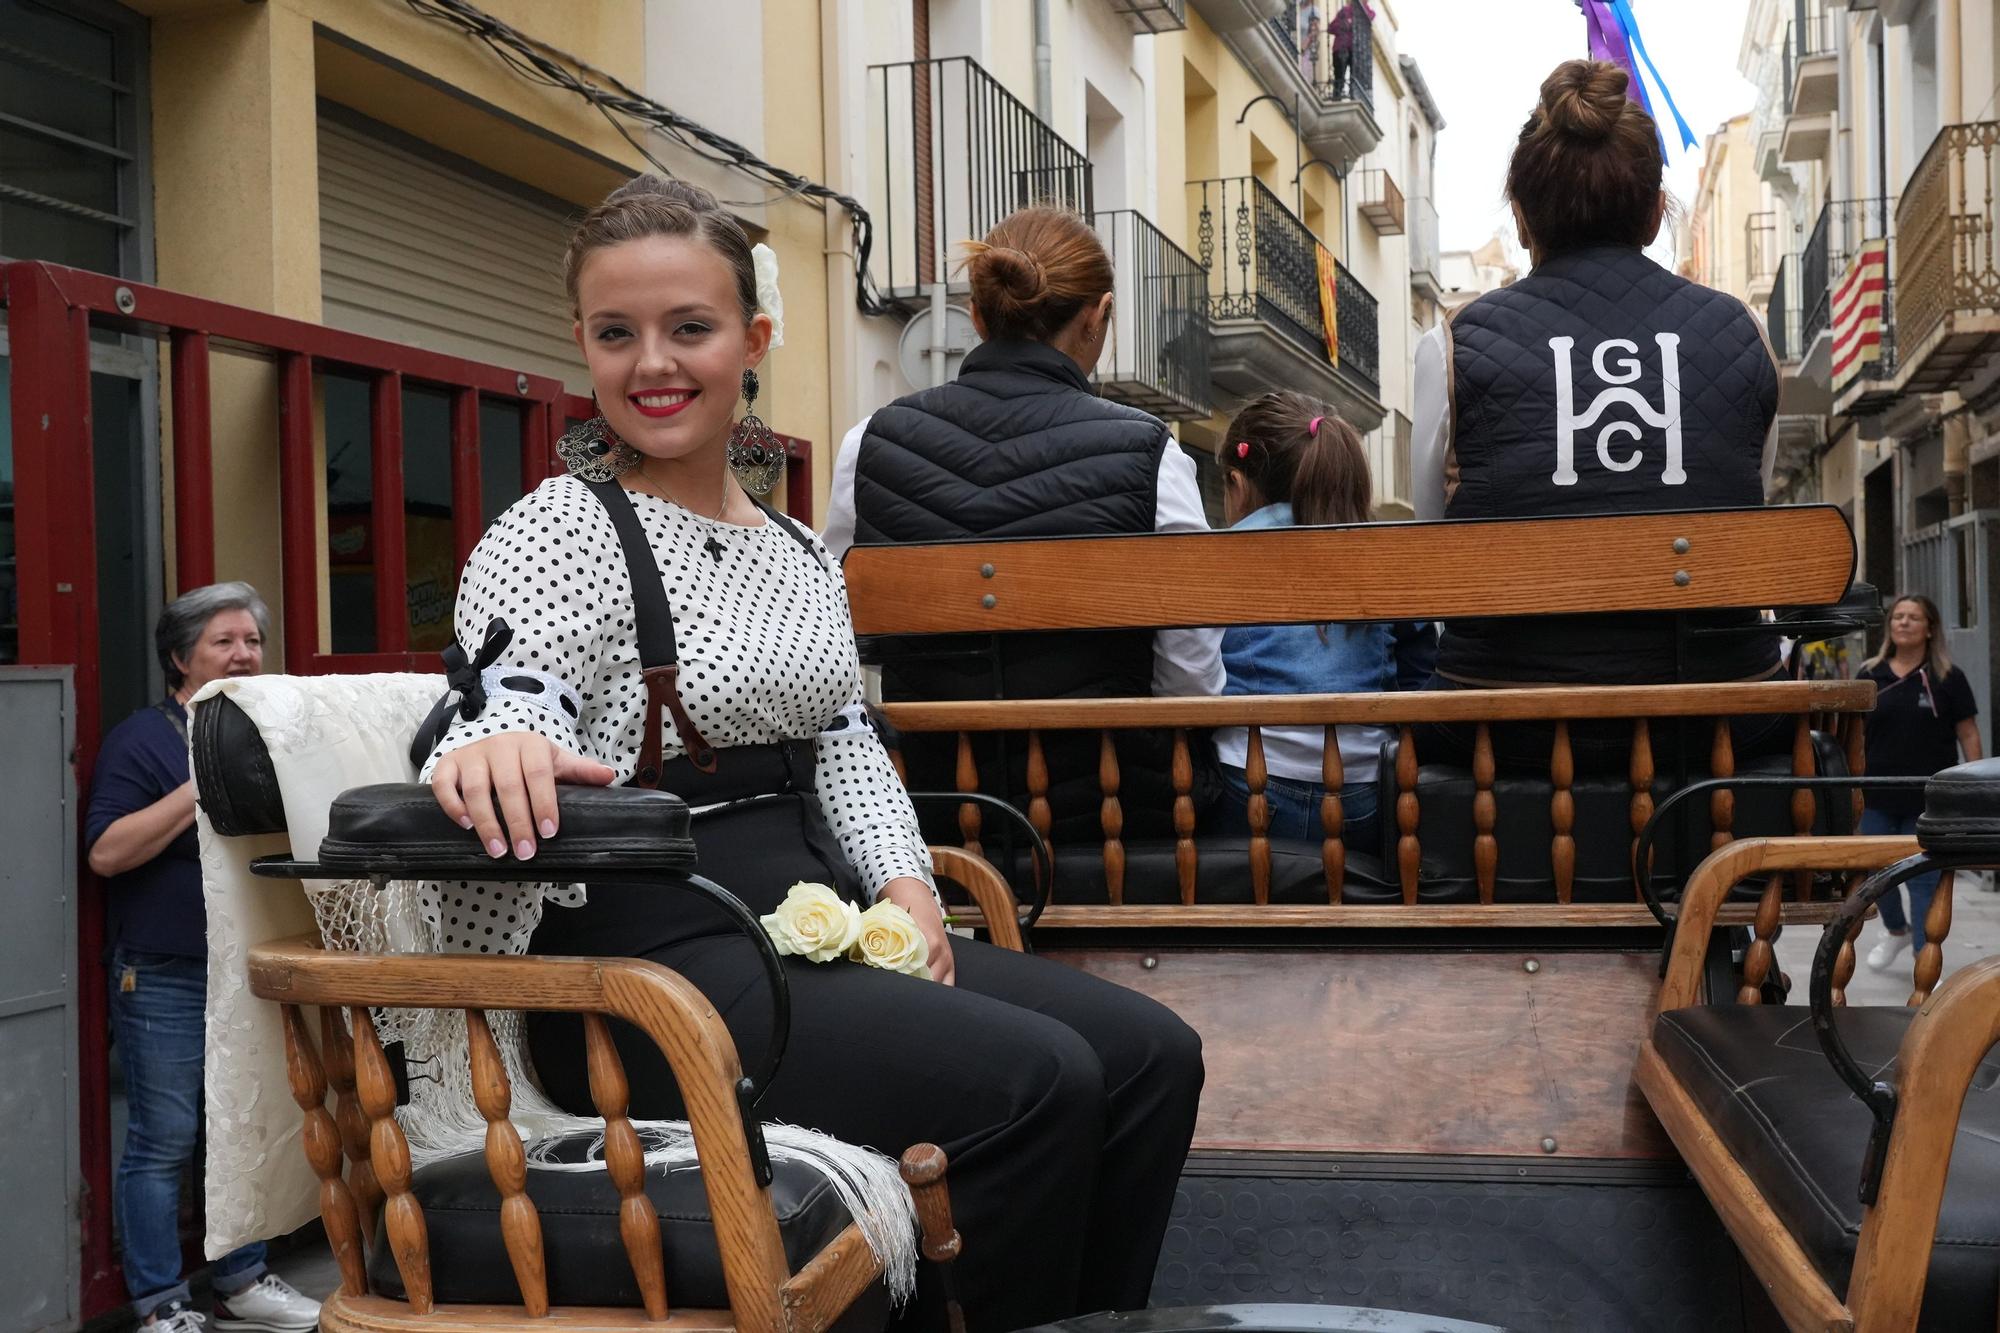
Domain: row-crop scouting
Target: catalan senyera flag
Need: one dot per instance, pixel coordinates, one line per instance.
(1857, 312)
(1329, 307)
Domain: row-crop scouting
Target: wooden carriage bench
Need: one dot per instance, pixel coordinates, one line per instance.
(744, 1240)
(1473, 838)
(1852, 1152)
(1462, 1001)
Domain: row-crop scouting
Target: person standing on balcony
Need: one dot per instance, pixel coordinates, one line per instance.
(139, 836)
(1289, 461)
(1924, 717)
(1600, 383)
(1020, 445)
(1350, 21)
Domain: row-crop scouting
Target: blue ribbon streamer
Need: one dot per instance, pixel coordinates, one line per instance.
(1623, 8)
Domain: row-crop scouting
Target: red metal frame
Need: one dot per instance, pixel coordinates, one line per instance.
(51, 312)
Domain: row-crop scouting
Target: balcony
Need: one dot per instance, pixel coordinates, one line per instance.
(952, 153)
(1151, 16)
(1760, 255)
(1157, 358)
(1812, 69)
(1837, 236)
(1379, 201)
(1947, 282)
(1325, 72)
(1236, 15)
(1798, 393)
(1811, 86)
(1424, 264)
(1265, 303)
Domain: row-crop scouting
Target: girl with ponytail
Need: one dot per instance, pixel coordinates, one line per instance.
(1290, 462)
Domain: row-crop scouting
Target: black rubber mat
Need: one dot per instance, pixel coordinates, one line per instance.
(1561, 1256)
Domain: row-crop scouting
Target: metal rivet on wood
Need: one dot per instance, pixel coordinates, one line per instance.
(986, 571)
(1682, 578)
(989, 601)
(1681, 545)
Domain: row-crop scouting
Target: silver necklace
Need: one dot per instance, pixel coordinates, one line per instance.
(712, 543)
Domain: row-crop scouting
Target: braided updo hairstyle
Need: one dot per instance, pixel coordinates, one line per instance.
(651, 205)
(1587, 168)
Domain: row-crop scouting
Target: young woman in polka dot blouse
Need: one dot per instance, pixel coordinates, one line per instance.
(1065, 1103)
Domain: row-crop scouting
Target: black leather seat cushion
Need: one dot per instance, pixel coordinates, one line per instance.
(399, 828)
(1762, 1082)
(580, 1240)
(1962, 811)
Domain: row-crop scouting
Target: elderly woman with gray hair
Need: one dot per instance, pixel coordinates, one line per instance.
(139, 835)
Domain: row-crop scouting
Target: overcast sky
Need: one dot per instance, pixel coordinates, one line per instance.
(1485, 59)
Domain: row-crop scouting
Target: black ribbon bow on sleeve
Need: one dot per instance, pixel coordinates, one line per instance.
(465, 693)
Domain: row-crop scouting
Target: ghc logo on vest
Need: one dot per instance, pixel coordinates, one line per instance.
(1667, 417)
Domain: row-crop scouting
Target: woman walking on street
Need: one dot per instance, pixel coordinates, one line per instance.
(1924, 716)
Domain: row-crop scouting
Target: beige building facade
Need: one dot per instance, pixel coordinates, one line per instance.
(1871, 146)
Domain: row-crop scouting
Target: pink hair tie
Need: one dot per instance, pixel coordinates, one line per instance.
(1243, 448)
(1312, 428)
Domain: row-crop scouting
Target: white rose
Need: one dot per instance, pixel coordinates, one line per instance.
(814, 923)
(889, 939)
(769, 300)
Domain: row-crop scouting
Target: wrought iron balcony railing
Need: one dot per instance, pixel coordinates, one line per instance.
(1262, 264)
(1334, 43)
(1781, 313)
(1946, 270)
(1157, 354)
(1842, 227)
(1760, 248)
(1809, 34)
(953, 153)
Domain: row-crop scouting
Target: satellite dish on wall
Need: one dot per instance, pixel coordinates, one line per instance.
(913, 349)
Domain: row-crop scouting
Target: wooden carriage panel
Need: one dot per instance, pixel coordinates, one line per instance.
(1792, 556)
(1315, 1051)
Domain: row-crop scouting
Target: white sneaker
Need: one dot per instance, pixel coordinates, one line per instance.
(1886, 951)
(176, 1317)
(268, 1305)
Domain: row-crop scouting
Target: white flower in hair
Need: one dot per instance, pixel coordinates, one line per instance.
(769, 299)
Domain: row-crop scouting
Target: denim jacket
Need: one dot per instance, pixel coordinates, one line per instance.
(1297, 659)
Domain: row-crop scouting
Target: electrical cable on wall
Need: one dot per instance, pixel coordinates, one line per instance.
(539, 62)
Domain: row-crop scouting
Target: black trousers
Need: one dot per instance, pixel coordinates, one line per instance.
(1065, 1103)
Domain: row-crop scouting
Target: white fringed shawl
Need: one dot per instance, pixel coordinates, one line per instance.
(327, 734)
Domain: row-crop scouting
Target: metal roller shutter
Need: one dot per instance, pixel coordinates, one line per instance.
(418, 252)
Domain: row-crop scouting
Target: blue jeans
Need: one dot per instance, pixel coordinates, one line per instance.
(1295, 809)
(158, 1026)
(1922, 889)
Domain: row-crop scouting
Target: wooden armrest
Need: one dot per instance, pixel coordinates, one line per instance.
(998, 910)
(1701, 900)
(1935, 1066)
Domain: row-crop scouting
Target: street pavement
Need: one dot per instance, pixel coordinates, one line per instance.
(1975, 934)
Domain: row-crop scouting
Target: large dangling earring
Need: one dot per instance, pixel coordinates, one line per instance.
(755, 455)
(592, 451)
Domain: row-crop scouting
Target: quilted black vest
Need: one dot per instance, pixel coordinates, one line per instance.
(1019, 445)
(1603, 384)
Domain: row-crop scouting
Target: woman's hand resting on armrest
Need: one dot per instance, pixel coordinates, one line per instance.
(915, 897)
(522, 770)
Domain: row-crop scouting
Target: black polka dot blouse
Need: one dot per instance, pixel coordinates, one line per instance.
(766, 650)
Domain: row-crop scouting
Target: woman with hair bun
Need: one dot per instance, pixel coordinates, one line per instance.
(1065, 1103)
(1600, 383)
(1020, 445)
